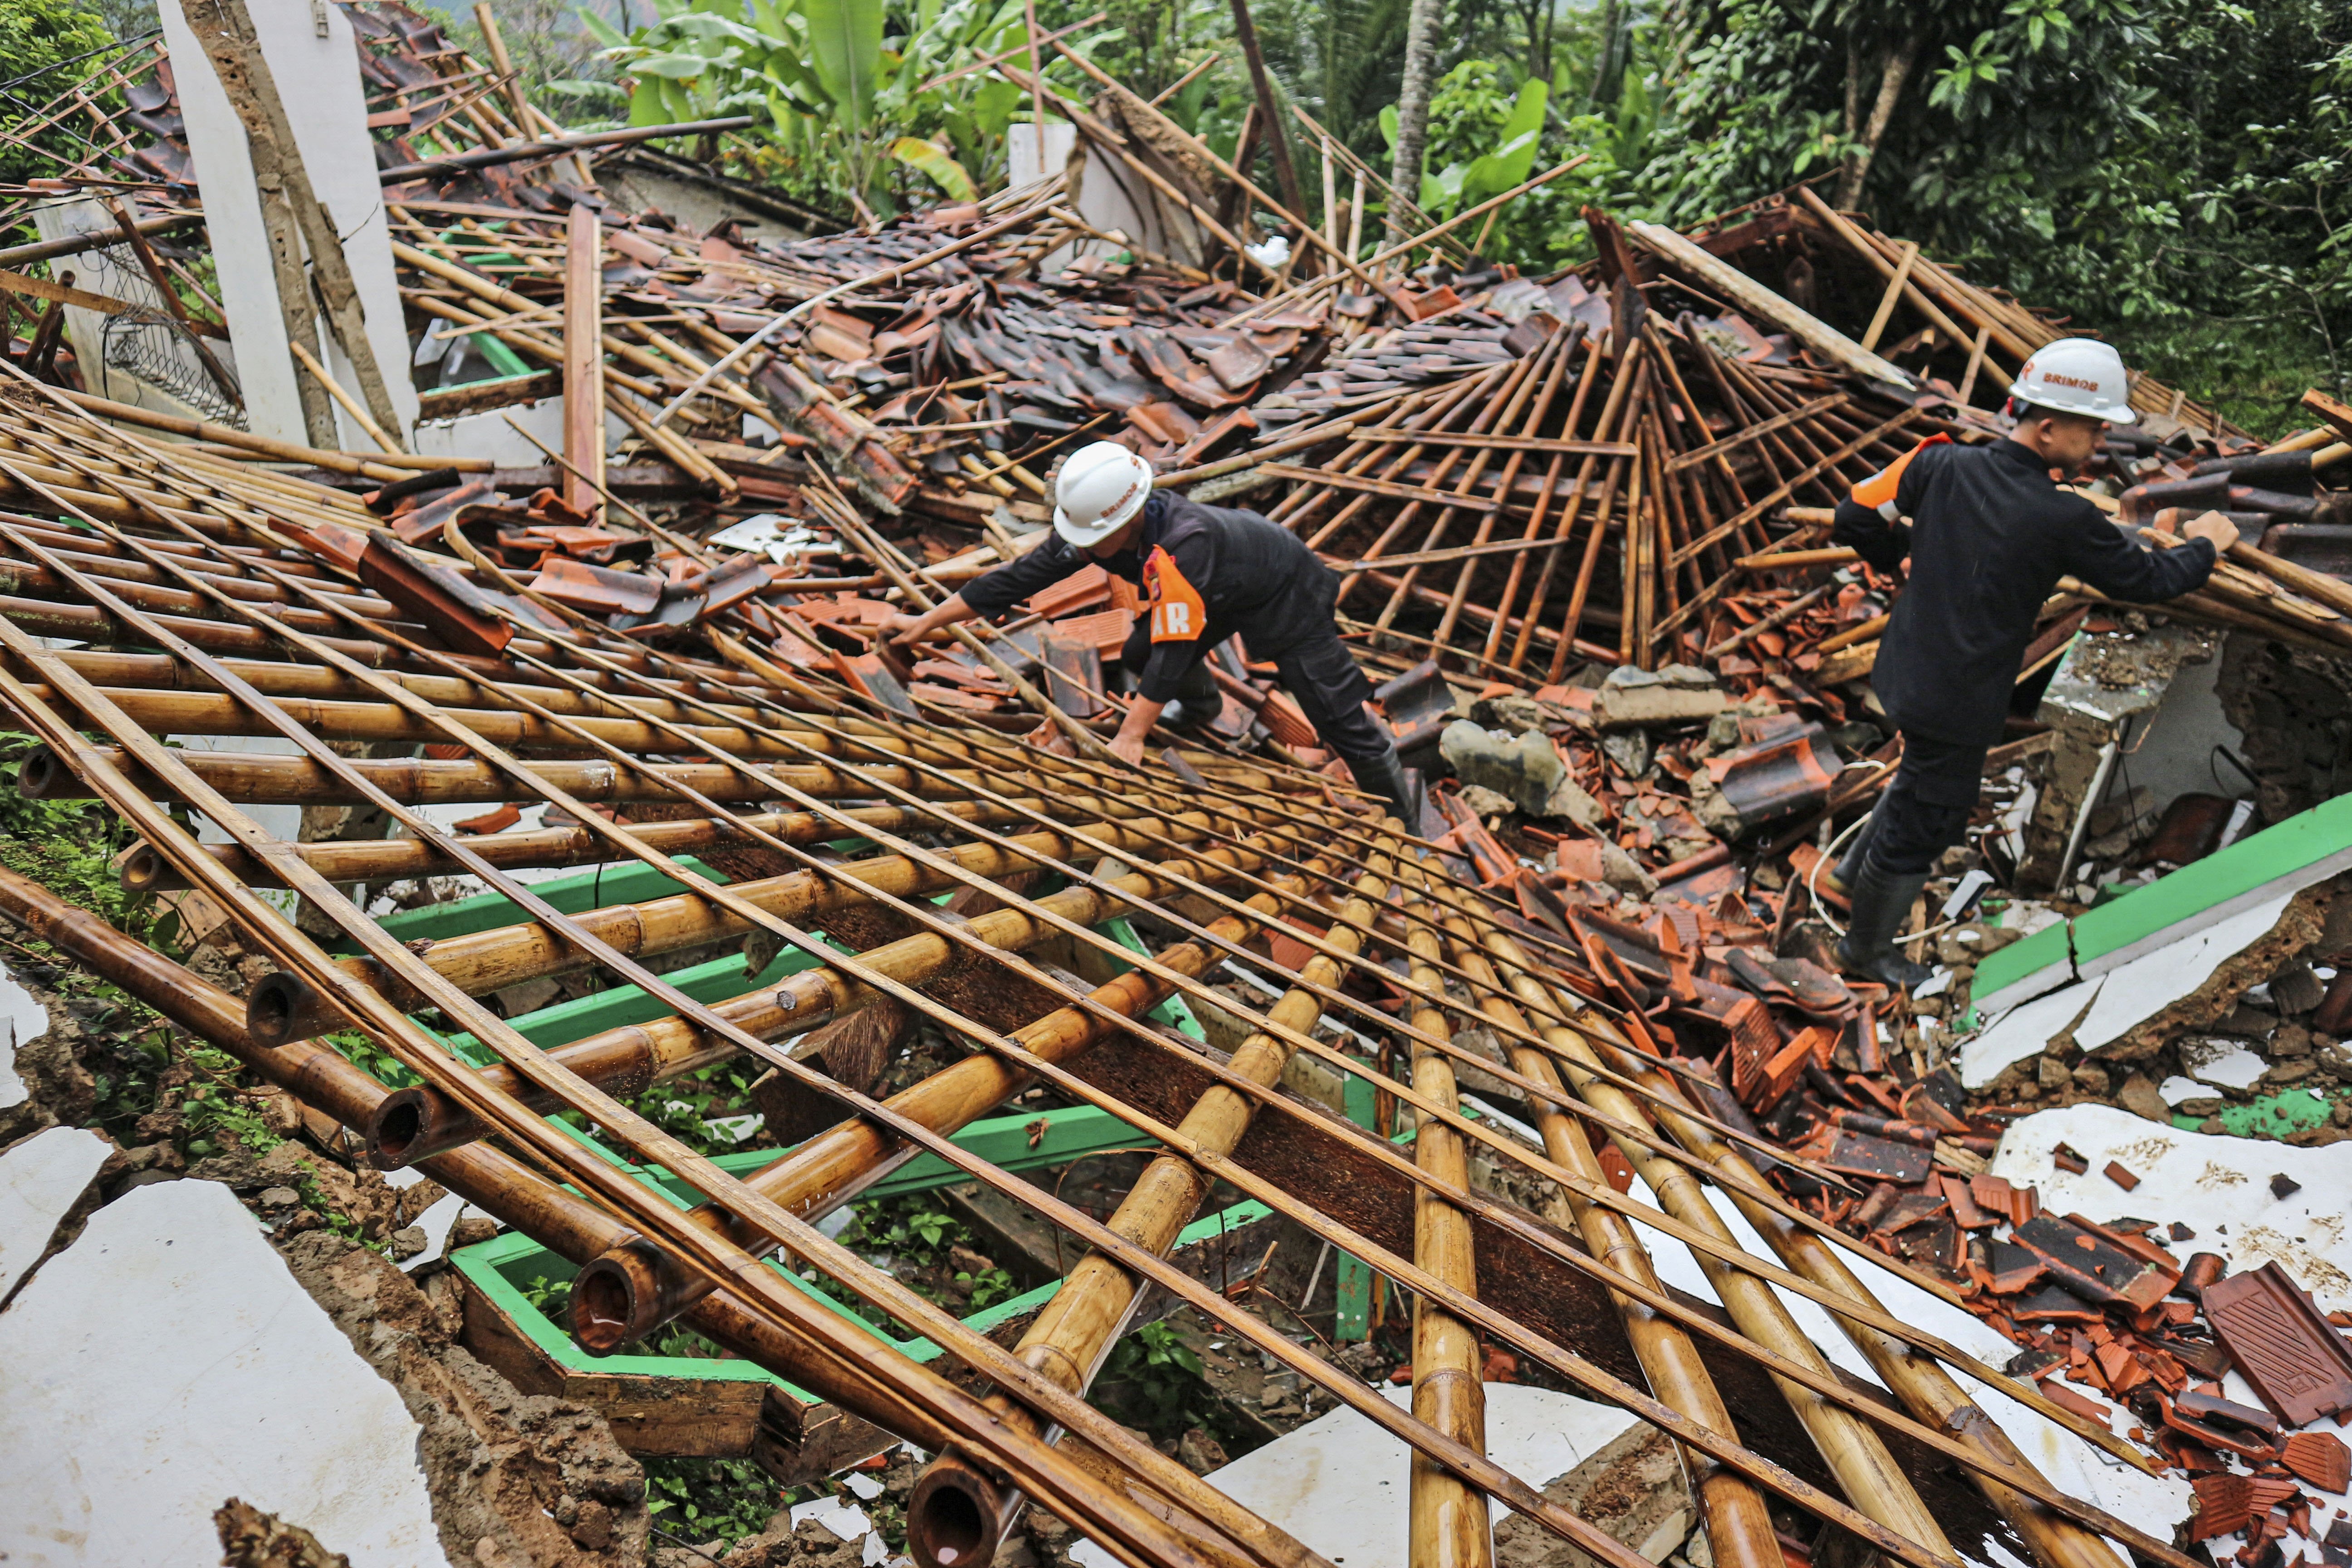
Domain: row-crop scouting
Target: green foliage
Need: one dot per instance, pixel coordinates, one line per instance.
(47, 46)
(698, 1500)
(1157, 1381)
(854, 113)
(1471, 109)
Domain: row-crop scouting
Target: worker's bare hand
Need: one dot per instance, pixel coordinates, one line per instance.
(902, 628)
(2215, 529)
(1127, 749)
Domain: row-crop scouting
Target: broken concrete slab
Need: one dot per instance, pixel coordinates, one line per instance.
(2023, 1032)
(1526, 768)
(2132, 1010)
(1677, 694)
(42, 1180)
(249, 1391)
(26, 1020)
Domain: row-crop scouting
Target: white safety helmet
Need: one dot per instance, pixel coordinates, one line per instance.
(1102, 486)
(2077, 375)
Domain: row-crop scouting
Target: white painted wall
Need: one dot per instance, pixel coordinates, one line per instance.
(167, 1361)
(319, 78)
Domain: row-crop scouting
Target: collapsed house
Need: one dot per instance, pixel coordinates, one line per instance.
(572, 928)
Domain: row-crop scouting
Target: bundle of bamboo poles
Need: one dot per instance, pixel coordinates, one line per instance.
(1213, 865)
(1590, 500)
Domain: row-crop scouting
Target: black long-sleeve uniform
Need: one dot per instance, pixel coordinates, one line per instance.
(1207, 572)
(1989, 536)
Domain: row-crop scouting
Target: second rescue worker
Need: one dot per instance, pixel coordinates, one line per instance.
(1989, 535)
(1206, 572)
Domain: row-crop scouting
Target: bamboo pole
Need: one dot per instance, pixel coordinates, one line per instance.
(1854, 1452)
(1738, 1525)
(622, 1296)
(1077, 1327)
(519, 1197)
(1919, 1382)
(1447, 1526)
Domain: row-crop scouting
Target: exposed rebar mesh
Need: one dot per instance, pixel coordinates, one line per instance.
(159, 351)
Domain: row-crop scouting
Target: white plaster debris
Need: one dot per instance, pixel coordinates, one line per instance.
(41, 1179)
(25, 1020)
(848, 1520)
(102, 1397)
(1339, 1483)
(437, 1220)
(2218, 1186)
(2021, 1032)
(2225, 1063)
(2178, 1090)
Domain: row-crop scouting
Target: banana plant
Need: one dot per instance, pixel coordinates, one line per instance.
(1506, 165)
(846, 108)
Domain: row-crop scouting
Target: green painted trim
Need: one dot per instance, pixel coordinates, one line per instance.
(2020, 959)
(575, 894)
(715, 980)
(2273, 1116)
(2280, 859)
(2307, 845)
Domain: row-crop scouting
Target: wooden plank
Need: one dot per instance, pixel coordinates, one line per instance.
(1378, 487)
(1713, 449)
(583, 362)
(500, 392)
(672, 1416)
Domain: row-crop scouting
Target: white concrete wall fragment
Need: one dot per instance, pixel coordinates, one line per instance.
(41, 1179)
(167, 1361)
(319, 80)
(24, 1020)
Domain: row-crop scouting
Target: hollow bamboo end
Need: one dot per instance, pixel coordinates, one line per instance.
(284, 1007)
(43, 775)
(143, 870)
(411, 1124)
(622, 1295)
(958, 1514)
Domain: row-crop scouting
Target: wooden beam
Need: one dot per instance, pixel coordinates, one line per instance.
(1895, 286)
(584, 361)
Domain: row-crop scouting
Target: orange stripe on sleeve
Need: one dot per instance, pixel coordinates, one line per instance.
(1879, 489)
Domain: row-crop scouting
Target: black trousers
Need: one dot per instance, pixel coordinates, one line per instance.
(1322, 677)
(1925, 808)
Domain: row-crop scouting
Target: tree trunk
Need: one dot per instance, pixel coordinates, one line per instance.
(1890, 88)
(1609, 66)
(1412, 105)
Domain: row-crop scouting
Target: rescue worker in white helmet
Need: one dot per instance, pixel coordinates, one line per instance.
(1988, 533)
(1205, 572)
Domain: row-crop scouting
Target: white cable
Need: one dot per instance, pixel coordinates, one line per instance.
(1820, 910)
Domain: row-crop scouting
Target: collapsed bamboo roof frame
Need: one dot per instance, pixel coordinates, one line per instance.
(168, 533)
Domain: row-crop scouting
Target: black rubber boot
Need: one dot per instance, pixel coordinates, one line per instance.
(1384, 776)
(1881, 900)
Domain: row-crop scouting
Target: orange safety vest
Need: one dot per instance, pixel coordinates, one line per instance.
(1178, 612)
